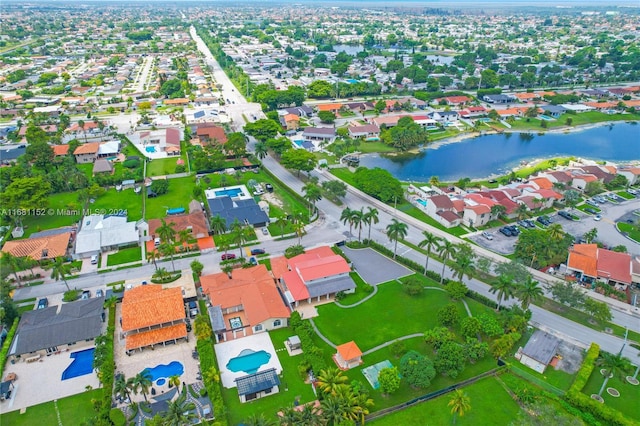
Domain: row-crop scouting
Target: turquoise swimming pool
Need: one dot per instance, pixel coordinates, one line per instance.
(231, 192)
(421, 201)
(248, 361)
(150, 148)
(161, 372)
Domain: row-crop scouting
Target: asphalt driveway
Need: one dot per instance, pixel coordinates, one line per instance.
(373, 267)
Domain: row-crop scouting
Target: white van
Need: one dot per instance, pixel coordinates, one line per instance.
(156, 242)
(94, 259)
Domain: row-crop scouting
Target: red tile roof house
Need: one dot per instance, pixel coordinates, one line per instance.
(580, 181)
(87, 153)
(246, 303)
(473, 111)
(442, 209)
(456, 100)
(589, 263)
(316, 275)
(631, 173)
(348, 356)
(364, 131)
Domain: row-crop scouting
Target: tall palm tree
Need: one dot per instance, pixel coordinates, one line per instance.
(168, 249)
(346, 217)
(459, 403)
(371, 218)
(179, 412)
(60, 271)
(153, 256)
(528, 292)
(358, 221)
(503, 288)
(184, 235)
(122, 387)
(447, 249)
(331, 379)
(363, 405)
(218, 224)
(282, 221)
(613, 365)
(142, 383)
(464, 265)
(298, 228)
(395, 231)
(260, 150)
(434, 181)
(166, 232)
(332, 410)
(312, 194)
(430, 241)
(555, 231)
(13, 263)
(522, 211)
(239, 235)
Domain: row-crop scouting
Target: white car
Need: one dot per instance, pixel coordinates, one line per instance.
(487, 235)
(597, 217)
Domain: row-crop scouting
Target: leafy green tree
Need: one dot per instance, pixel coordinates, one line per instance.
(172, 89)
(298, 160)
(430, 241)
(335, 189)
(417, 369)
(456, 290)
(236, 144)
(24, 193)
(504, 344)
(160, 186)
(378, 183)
(448, 315)
(389, 380)
(450, 359)
(567, 294)
(599, 310)
(438, 336)
(470, 326)
(460, 403)
(412, 286)
(263, 129)
(405, 135)
(395, 231)
(320, 89)
(197, 267)
(490, 325)
(327, 117)
(293, 251)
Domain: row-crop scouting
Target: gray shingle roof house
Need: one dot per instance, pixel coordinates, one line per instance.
(246, 211)
(539, 351)
(258, 385)
(99, 232)
(54, 326)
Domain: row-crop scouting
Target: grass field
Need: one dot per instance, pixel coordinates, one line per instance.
(292, 386)
(359, 294)
(73, 410)
(626, 403)
(631, 231)
(390, 314)
(127, 255)
(590, 117)
(180, 194)
(490, 405)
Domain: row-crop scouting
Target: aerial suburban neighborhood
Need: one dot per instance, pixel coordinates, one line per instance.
(320, 213)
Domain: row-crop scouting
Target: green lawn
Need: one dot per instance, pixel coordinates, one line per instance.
(490, 405)
(589, 117)
(626, 195)
(165, 166)
(58, 202)
(73, 410)
(180, 194)
(291, 386)
(126, 200)
(584, 207)
(632, 232)
(360, 294)
(390, 314)
(556, 378)
(626, 403)
(127, 255)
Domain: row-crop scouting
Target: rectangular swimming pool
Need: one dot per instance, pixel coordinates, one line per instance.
(81, 365)
(231, 192)
(150, 148)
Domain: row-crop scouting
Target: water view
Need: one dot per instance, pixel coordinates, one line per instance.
(490, 155)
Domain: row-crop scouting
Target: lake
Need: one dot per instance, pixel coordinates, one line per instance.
(490, 155)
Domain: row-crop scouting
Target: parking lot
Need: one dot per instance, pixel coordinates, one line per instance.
(611, 212)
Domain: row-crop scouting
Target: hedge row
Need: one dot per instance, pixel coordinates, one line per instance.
(7, 344)
(482, 299)
(105, 365)
(587, 368)
(610, 416)
(208, 360)
(313, 356)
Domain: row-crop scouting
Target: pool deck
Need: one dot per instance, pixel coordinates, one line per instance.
(231, 349)
(40, 382)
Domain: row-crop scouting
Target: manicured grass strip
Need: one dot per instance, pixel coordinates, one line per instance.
(631, 231)
(490, 405)
(361, 291)
(626, 403)
(127, 255)
(626, 195)
(584, 207)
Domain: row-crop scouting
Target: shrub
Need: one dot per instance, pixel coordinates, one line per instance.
(608, 415)
(586, 369)
(456, 290)
(398, 348)
(7, 344)
(131, 163)
(117, 417)
(412, 286)
(71, 295)
(482, 299)
(448, 315)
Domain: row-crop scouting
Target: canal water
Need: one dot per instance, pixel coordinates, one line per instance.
(491, 155)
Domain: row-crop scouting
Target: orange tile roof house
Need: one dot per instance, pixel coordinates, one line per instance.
(87, 153)
(151, 316)
(318, 273)
(589, 263)
(211, 134)
(348, 356)
(195, 223)
(246, 303)
(48, 247)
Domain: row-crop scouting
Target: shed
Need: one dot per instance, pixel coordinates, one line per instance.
(348, 355)
(258, 385)
(539, 351)
(294, 343)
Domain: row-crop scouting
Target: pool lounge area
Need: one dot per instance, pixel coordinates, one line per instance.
(246, 355)
(239, 192)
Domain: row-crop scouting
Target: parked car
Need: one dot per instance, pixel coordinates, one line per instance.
(590, 210)
(228, 256)
(565, 214)
(85, 295)
(506, 231)
(43, 303)
(592, 202)
(515, 231)
(544, 220)
(265, 231)
(193, 309)
(253, 260)
(257, 251)
(530, 223)
(487, 235)
(597, 217)
(94, 259)
(99, 293)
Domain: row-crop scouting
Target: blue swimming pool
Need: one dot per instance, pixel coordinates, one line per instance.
(421, 201)
(81, 365)
(150, 148)
(298, 142)
(248, 361)
(231, 192)
(162, 372)
(545, 117)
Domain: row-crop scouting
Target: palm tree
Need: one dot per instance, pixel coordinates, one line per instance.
(289, 416)
(613, 365)
(261, 150)
(174, 381)
(239, 235)
(168, 249)
(331, 379)
(358, 221)
(332, 410)
(363, 404)
(459, 403)
(184, 235)
(122, 387)
(528, 292)
(60, 270)
(309, 416)
(346, 217)
(312, 194)
(395, 231)
(218, 224)
(522, 211)
(142, 382)
(179, 412)
(298, 228)
(166, 232)
(555, 231)
(503, 288)
(447, 249)
(282, 221)
(258, 420)
(152, 256)
(434, 181)
(464, 265)
(498, 210)
(371, 217)
(430, 241)
(13, 263)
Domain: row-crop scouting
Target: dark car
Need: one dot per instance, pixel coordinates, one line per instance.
(253, 260)
(228, 256)
(530, 223)
(506, 231)
(43, 303)
(85, 295)
(193, 309)
(565, 214)
(257, 251)
(544, 220)
(515, 231)
(590, 210)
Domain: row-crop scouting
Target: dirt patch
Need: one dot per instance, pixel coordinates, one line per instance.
(272, 199)
(571, 357)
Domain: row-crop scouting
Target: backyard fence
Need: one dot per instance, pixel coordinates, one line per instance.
(431, 395)
(533, 379)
